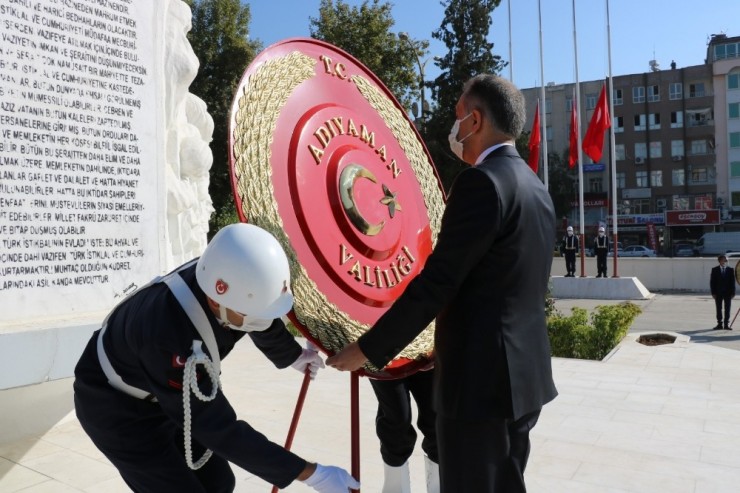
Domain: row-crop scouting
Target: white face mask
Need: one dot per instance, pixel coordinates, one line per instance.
(570, 233)
(456, 146)
(249, 324)
(601, 233)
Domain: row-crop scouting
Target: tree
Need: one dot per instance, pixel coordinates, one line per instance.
(464, 30)
(220, 40)
(365, 33)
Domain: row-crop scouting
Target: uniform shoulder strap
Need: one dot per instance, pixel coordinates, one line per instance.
(195, 312)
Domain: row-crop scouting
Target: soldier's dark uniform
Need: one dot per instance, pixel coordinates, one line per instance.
(601, 249)
(569, 249)
(148, 340)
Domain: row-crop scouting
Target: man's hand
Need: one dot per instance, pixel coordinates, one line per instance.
(331, 479)
(310, 359)
(350, 358)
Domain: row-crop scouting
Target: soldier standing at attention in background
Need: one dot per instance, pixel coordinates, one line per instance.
(601, 249)
(568, 249)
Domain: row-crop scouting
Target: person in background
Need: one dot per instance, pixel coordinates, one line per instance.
(569, 249)
(722, 285)
(601, 250)
(396, 433)
(147, 387)
(493, 370)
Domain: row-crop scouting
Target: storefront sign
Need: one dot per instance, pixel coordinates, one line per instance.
(692, 218)
(637, 219)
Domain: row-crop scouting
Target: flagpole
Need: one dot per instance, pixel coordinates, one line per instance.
(580, 151)
(612, 142)
(543, 117)
(511, 55)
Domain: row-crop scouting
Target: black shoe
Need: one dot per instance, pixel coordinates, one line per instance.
(727, 327)
(718, 327)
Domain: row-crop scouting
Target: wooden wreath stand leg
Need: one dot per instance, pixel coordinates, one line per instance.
(354, 420)
(296, 414)
(355, 424)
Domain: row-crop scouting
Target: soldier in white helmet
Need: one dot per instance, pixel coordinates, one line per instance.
(601, 249)
(569, 249)
(147, 388)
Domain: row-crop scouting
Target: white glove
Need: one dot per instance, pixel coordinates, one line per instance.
(309, 358)
(331, 479)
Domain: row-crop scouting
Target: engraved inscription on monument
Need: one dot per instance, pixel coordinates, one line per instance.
(78, 176)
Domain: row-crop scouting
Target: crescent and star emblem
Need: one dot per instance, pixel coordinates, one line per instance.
(347, 180)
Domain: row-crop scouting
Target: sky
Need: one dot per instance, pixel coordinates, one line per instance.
(641, 30)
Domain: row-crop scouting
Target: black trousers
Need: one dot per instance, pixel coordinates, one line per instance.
(718, 304)
(601, 263)
(149, 453)
(393, 421)
(570, 261)
(484, 456)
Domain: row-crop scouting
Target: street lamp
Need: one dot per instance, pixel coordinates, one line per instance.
(404, 36)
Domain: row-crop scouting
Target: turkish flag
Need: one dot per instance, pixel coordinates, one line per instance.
(573, 158)
(593, 143)
(534, 141)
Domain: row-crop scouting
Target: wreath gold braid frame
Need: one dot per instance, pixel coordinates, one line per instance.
(265, 93)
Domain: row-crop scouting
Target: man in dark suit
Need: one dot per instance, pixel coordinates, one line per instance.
(722, 285)
(485, 282)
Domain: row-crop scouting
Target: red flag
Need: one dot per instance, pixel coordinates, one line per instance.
(534, 141)
(593, 143)
(573, 158)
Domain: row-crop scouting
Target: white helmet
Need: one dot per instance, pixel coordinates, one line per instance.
(570, 228)
(601, 229)
(244, 268)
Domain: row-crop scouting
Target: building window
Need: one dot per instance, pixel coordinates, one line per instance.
(735, 198)
(620, 180)
(653, 94)
(618, 124)
(735, 169)
(640, 150)
(619, 152)
(548, 105)
(638, 94)
(656, 150)
(677, 177)
(696, 90)
(595, 185)
(591, 101)
(699, 118)
(734, 139)
(676, 119)
(677, 148)
(639, 122)
(698, 147)
(699, 175)
(654, 121)
(733, 81)
(675, 90)
(641, 177)
(617, 99)
(734, 110)
(548, 132)
(568, 103)
(656, 178)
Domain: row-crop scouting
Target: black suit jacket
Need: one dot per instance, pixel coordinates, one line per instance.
(722, 286)
(485, 282)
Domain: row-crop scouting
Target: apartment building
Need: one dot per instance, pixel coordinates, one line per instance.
(677, 148)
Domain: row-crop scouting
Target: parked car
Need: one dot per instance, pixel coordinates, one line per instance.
(684, 250)
(637, 251)
(620, 252)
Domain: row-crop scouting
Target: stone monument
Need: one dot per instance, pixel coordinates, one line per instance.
(104, 163)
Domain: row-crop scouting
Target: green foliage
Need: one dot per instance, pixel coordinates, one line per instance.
(220, 40)
(561, 183)
(574, 337)
(464, 30)
(365, 33)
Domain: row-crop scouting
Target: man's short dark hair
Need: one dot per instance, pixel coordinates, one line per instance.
(499, 100)
(721, 257)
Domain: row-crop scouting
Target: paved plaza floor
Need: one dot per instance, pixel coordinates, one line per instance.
(646, 419)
